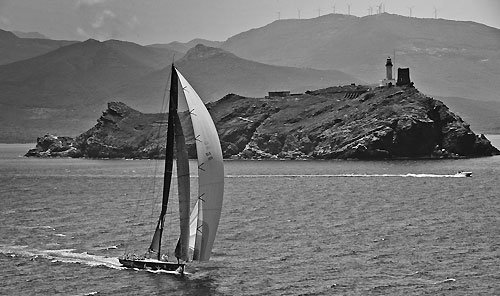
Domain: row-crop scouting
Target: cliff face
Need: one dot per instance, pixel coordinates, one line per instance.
(120, 132)
(333, 123)
(346, 122)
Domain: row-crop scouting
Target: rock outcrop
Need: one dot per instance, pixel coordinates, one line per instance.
(335, 123)
(54, 146)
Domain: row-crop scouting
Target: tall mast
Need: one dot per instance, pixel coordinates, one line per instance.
(169, 155)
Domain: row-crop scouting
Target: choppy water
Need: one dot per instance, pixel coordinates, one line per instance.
(287, 228)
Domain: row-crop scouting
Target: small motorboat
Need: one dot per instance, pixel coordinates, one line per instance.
(463, 174)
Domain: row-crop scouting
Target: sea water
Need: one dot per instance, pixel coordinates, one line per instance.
(287, 228)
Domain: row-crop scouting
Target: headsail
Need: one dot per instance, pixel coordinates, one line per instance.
(210, 172)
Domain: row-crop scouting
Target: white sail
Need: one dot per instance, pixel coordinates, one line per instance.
(210, 172)
(193, 223)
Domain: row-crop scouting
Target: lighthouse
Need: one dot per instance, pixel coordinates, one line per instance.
(388, 80)
(388, 68)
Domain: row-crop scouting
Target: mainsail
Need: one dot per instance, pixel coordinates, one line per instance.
(155, 247)
(210, 173)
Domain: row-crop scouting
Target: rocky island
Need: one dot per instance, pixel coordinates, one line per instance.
(342, 122)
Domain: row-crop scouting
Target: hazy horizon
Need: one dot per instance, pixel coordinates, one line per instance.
(159, 21)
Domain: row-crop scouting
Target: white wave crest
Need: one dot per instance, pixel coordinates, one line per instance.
(62, 255)
(409, 175)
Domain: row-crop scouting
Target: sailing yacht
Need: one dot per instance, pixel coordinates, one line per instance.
(198, 227)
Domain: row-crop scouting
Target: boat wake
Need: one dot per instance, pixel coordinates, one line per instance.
(448, 280)
(160, 271)
(69, 256)
(62, 255)
(409, 175)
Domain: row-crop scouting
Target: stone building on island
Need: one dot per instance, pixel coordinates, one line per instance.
(403, 75)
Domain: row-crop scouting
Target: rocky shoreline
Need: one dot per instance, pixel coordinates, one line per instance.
(344, 122)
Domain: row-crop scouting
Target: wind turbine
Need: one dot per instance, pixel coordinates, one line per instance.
(298, 10)
(410, 8)
(319, 11)
(348, 9)
(279, 15)
(435, 12)
(333, 7)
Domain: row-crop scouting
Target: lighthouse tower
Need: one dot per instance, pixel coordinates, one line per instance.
(388, 67)
(388, 80)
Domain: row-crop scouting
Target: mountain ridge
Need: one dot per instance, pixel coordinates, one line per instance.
(432, 48)
(184, 47)
(61, 90)
(34, 94)
(32, 35)
(215, 73)
(73, 82)
(14, 48)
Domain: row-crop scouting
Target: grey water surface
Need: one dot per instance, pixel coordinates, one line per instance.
(287, 228)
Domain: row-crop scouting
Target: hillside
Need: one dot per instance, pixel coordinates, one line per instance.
(333, 123)
(214, 73)
(62, 90)
(77, 74)
(14, 48)
(33, 35)
(446, 58)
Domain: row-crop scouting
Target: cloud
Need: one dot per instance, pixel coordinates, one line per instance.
(81, 32)
(4, 20)
(102, 25)
(103, 17)
(133, 22)
(89, 2)
(3, 2)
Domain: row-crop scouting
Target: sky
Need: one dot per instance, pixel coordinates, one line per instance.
(163, 21)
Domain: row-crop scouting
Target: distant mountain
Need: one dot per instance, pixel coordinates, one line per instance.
(184, 47)
(33, 35)
(446, 58)
(63, 89)
(214, 73)
(58, 86)
(13, 48)
(78, 74)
